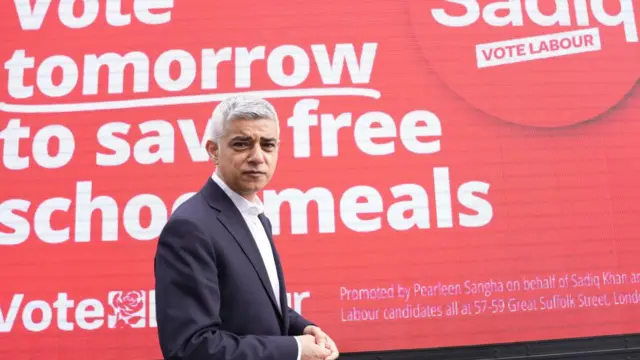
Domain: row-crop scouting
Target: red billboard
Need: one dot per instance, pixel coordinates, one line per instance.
(451, 172)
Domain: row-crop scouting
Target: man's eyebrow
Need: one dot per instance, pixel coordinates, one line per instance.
(269, 139)
(241, 138)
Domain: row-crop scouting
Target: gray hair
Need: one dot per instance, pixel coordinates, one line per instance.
(238, 107)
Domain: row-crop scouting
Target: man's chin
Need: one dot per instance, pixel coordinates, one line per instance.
(254, 186)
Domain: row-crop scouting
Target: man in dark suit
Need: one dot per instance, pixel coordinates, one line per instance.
(220, 290)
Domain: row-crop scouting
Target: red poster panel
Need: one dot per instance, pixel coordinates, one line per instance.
(451, 173)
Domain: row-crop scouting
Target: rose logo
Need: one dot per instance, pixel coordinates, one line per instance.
(128, 308)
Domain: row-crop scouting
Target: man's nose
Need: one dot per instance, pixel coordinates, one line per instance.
(256, 155)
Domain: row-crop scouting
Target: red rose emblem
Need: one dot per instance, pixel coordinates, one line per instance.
(129, 303)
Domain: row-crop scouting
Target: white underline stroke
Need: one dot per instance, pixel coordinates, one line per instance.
(182, 100)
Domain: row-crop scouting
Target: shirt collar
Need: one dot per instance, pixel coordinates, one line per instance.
(246, 207)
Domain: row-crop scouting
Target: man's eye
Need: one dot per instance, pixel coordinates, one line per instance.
(240, 144)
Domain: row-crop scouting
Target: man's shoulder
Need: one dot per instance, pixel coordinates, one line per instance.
(193, 205)
(194, 213)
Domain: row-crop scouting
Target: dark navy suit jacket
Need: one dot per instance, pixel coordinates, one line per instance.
(213, 296)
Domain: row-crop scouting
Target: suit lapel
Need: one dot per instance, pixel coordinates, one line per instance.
(232, 220)
(276, 257)
(240, 232)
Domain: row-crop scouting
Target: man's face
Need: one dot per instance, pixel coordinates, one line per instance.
(247, 154)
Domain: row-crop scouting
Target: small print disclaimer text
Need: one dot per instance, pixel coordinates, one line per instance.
(527, 294)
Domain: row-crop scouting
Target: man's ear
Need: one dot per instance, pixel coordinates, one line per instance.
(212, 149)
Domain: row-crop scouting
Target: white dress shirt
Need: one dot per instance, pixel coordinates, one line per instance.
(250, 211)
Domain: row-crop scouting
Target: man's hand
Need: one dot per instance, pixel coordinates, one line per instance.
(323, 340)
(309, 350)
